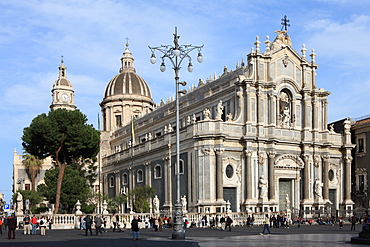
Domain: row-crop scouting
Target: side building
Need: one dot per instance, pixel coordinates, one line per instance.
(361, 164)
(253, 139)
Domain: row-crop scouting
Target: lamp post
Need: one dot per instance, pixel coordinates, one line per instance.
(176, 54)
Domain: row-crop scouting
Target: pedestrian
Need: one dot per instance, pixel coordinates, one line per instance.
(222, 221)
(266, 226)
(353, 222)
(88, 222)
(160, 223)
(42, 224)
(12, 224)
(114, 221)
(104, 224)
(252, 220)
(1, 225)
(50, 222)
(135, 228)
(170, 222)
(98, 224)
(5, 223)
(340, 222)
(229, 221)
(33, 225)
(27, 224)
(156, 223)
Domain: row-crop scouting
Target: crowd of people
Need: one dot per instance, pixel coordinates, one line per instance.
(31, 224)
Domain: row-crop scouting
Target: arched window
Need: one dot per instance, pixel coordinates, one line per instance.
(140, 176)
(157, 171)
(124, 179)
(111, 181)
(285, 108)
(181, 167)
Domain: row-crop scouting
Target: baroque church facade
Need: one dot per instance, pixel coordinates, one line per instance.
(254, 139)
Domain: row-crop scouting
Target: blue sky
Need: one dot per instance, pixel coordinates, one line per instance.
(91, 35)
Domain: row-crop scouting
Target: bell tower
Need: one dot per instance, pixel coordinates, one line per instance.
(62, 92)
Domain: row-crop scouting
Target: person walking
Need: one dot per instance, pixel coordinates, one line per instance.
(42, 224)
(12, 224)
(88, 222)
(135, 228)
(229, 221)
(98, 222)
(266, 226)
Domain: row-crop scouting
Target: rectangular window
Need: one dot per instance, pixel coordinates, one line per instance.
(27, 187)
(118, 121)
(361, 145)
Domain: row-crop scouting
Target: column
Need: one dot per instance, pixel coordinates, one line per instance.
(219, 172)
(248, 174)
(347, 177)
(306, 177)
(248, 104)
(167, 181)
(325, 177)
(271, 175)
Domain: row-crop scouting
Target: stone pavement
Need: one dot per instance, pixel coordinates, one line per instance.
(306, 235)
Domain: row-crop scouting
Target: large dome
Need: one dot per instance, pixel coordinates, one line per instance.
(127, 82)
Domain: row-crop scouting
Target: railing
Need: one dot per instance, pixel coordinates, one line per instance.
(72, 221)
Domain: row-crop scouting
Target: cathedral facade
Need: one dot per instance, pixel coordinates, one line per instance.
(254, 139)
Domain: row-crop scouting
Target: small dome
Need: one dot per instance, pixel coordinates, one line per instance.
(127, 82)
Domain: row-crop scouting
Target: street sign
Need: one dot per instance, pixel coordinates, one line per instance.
(6, 207)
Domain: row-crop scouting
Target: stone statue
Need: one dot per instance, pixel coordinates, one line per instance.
(19, 203)
(332, 128)
(347, 126)
(262, 184)
(287, 201)
(285, 118)
(318, 188)
(184, 203)
(155, 204)
(220, 109)
(206, 113)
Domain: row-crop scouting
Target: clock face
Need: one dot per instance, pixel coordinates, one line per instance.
(65, 97)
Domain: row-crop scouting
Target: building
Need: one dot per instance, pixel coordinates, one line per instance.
(253, 139)
(361, 165)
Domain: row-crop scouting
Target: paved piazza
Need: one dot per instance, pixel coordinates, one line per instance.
(239, 236)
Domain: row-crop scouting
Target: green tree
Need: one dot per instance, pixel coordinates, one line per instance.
(65, 136)
(115, 203)
(140, 197)
(74, 187)
(33, 165)
(34, 197)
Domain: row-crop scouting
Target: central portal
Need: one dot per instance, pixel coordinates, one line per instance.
(285, 188)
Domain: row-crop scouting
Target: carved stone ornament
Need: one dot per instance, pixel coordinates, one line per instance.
(261, 157)
(206, 151)
(316, 160)
(296, 164)
(207, 114)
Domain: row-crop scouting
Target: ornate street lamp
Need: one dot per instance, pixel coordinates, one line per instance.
(176, 54)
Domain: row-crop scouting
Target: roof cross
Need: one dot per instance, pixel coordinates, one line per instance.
(285, 23)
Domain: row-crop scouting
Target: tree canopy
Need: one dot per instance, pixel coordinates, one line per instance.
(141, 197)
(65, 136)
